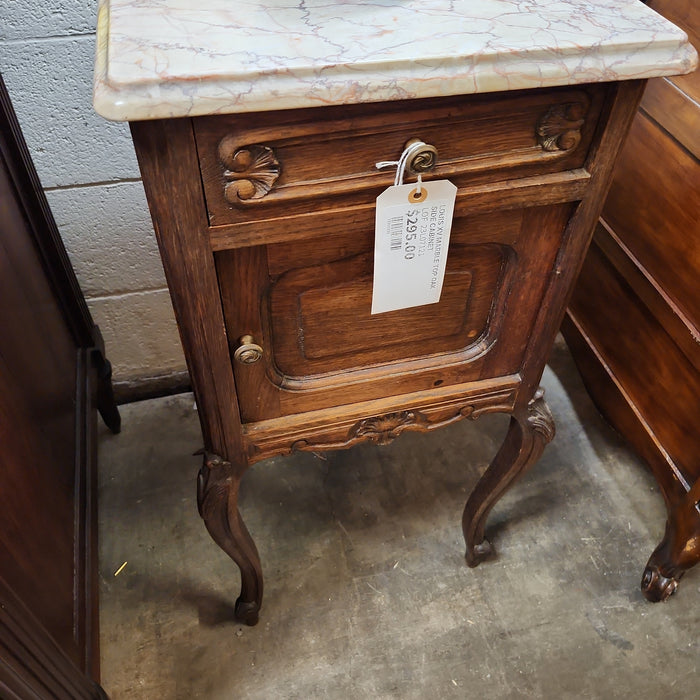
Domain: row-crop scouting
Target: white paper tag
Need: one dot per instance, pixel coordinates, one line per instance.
(411, 240)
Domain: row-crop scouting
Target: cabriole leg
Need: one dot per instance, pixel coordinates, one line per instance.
(529, 431)
(217, 497)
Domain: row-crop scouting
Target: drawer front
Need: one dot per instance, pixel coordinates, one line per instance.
(271, 166)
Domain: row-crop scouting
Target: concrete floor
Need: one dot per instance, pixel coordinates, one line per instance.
(367, 594)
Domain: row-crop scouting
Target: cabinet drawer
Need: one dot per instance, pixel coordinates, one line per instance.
(268, 166)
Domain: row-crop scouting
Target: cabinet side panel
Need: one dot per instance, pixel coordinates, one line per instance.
(654, 210)
(656, 376)
(38, 360)
(168, 160)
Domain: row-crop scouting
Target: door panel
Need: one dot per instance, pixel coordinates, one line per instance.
(321, 320)
(307, 303)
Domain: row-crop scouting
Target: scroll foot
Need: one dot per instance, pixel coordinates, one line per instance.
(656, 587)
(478, 553)
(678, 551)
(247, 612)
(529, 431)
(217, 496)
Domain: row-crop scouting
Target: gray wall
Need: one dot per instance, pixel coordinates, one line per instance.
(88, 169)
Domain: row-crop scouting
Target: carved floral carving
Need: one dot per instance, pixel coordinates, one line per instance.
(249, 171)
(560, 128)
(384, 429)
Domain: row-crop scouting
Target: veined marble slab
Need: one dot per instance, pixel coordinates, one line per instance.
(174, 58)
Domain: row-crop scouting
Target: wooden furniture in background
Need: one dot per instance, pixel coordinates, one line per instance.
(265, 224)
(633, 324)
(53, 377)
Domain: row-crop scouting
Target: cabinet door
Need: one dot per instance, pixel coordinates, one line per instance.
(307, 303)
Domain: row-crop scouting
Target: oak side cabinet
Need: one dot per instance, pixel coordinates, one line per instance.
(263, 205)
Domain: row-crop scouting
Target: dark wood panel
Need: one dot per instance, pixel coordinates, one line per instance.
(616, 406)
(38, 361)
(36, 342)
(53, 377)
(650, 293)
(675, 112)
(36, 498)
(654, 211)
(32, 664)
(658, 378)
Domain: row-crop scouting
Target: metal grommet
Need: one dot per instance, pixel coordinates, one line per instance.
(415, 197)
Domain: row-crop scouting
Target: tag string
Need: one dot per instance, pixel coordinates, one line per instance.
(401, 163)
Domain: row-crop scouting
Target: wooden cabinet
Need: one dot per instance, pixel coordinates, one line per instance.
(634, 320)
(265, 223)
(53, 379)
(294, 264)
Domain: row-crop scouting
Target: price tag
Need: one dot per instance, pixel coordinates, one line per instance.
(411, 240)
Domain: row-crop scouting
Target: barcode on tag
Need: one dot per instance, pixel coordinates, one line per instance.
(395, 230)
(411, 243)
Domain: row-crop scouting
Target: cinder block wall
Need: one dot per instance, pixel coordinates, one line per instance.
(88, 169)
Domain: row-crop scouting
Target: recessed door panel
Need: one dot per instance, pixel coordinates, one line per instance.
(321, 322)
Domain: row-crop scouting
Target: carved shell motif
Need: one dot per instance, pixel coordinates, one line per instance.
(249, 171)
(560, 128)
(384, 429)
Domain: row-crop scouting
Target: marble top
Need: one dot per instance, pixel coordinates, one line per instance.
(173, 58)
